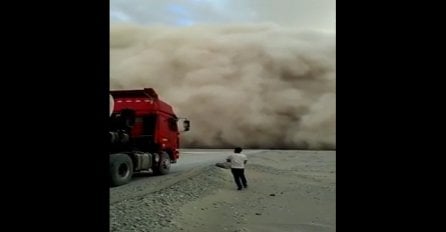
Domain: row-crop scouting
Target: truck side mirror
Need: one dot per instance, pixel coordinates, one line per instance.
(186, 125)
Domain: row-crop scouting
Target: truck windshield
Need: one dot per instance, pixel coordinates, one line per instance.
(173, 124)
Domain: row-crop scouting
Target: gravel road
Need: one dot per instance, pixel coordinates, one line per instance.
(156, 203)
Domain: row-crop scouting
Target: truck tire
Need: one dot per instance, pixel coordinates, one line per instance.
(121, 169)
(163, 166)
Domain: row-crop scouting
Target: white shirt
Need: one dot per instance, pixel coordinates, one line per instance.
(237, 160)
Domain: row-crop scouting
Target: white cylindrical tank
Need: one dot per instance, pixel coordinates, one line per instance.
(112, 104)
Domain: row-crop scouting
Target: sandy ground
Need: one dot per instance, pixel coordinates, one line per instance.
(288, 191)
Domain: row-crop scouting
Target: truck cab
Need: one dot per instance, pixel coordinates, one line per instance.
(144, 131)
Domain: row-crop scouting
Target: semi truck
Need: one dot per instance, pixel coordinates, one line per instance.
(144, 134)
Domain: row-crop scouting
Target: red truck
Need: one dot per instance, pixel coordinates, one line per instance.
(144, 134)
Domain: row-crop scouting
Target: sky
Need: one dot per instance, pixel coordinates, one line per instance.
(251, 73)
(300, 14)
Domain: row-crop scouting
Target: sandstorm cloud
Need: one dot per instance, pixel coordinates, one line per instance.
(251, 85)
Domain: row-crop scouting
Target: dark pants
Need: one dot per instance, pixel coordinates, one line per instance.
(239, 177)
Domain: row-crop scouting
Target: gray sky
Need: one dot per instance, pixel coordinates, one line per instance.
(308, 14)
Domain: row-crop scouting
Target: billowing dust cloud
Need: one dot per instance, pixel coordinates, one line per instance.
(256, 86)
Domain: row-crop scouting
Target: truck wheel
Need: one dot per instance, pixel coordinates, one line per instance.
(121, 169)
(163, 166)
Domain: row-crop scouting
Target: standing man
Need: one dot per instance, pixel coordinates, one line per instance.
(238, 161)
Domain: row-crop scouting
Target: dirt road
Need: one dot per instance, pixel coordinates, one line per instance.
(288, 191)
